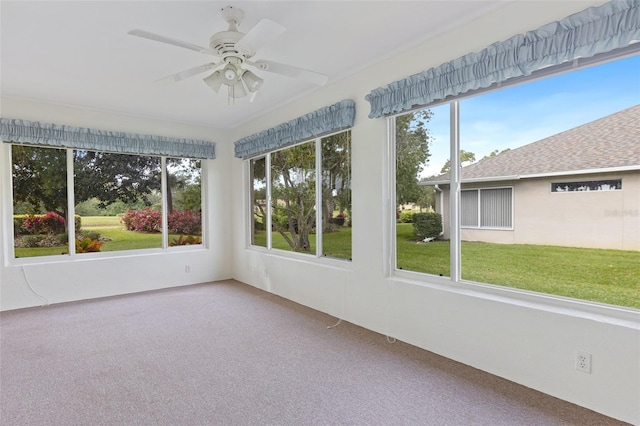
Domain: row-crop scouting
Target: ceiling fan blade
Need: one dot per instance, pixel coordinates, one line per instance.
(263, 33)
(291, 71)
(167, 40)
(188, 73)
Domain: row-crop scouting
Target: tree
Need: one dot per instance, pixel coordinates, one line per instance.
(336, 176)
(494, 153)
(110, 177)
(293, 192)
(465, 157)
(39, 178)
(412, 154)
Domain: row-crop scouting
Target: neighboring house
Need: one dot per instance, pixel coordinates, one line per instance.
(578, 188)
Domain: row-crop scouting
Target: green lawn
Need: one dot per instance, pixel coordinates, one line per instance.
(334, 244)
(607, 276)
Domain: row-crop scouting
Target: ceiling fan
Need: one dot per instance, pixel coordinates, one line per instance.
(232, 51)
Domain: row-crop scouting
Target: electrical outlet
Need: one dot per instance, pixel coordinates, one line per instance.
(583, 362)
(187, 269)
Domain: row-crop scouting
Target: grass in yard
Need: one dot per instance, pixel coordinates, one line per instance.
(334, 244)
(599, 275)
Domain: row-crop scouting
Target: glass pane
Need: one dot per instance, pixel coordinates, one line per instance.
(184, 201)
(39, 201)
(257, 169)
(422, 150)
(119, 200)
(569, 223)
(336, 195)
(293, 194)
(469, 208)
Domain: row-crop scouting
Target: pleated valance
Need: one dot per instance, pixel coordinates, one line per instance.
(325, 120)
(591, 32)
(31, 132)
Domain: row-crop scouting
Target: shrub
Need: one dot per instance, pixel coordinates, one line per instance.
(406, 216)
(338, 220)
(427, 225)
(88, 245)
(30, 241)
(183, 241)
(62, 239)
(184, 222)
(92, 235)
(36, 224)
(145, 220)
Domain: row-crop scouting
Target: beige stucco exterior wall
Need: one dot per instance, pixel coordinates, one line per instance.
(595, 219)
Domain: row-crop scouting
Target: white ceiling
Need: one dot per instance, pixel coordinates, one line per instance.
(78, 53)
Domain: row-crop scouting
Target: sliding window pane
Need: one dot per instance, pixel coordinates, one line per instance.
(184, 201)
(258, 169)
(293, 194)
(119, 199)
(40, 208)
(422, 148)
(557, 175)
(336, 195)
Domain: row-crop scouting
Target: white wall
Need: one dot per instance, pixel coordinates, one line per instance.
(530, 339)
(118, 273)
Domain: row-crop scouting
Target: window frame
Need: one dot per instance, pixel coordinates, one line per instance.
(72, 256)
(455, 282)
(248, 208)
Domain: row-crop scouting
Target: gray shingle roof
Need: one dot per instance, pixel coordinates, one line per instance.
(611, 141)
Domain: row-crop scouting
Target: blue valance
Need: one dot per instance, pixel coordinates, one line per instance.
(317, 123)
(593, 31)
(31, 132)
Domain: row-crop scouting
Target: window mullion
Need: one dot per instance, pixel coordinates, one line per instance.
(454, 196)
(165, 205)
(71, 209)
(319, 205)
(267, 173)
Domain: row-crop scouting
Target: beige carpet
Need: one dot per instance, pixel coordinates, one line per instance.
(227, 354)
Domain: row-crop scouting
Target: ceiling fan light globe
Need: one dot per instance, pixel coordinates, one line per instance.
(214, 81)
(252, 81)
(229, 74)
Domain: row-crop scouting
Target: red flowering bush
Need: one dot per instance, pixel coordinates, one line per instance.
(185, 222)
(145, 220)
(48, 223)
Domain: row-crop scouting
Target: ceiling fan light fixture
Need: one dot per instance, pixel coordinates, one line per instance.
(237, 90)
(230, 73)
(252, 81)
(215, 81)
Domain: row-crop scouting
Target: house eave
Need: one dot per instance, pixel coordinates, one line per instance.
(537, 175)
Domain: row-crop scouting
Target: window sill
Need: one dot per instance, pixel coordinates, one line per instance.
(600, 312)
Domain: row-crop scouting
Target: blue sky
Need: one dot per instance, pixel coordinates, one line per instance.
(519, 115)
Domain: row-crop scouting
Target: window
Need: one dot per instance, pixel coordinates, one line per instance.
(118, 198)
(40, 207)
(519, 146)
(258, 170)
(308, 191)
(593, 185)
(486, 208)
(419, 137)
